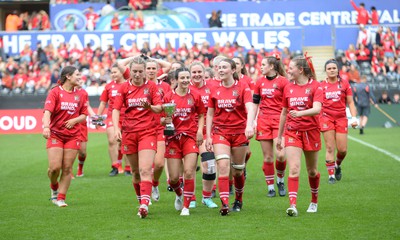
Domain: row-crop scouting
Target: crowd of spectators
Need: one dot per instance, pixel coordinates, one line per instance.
(376, 54)
(36, 69)
(24, 21)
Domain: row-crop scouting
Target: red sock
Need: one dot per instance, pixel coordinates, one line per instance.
(54, 187)
(115, 165)
(293, 188)
(269, 172)
(339, 159)
(239, 187)
(330, 166)
(314, 185)
(188, 191)
(120, 155)
(248, 155)
(177, 188)
(145, 191)
(81, 161)
(180, 179)
(61, 196)
(280, 168)
(214, 187)
(127, 168)
(207, 194)
(194, 195)
(136, 186)
(155, 183)
(223, 187)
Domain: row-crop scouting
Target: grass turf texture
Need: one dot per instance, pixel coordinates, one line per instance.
(363, 205)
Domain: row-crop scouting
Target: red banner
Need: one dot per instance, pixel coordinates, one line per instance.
(23, 121)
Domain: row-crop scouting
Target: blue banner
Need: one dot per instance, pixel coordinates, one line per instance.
(266, 38)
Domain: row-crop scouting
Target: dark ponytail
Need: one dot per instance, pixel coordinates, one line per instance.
(65, 72)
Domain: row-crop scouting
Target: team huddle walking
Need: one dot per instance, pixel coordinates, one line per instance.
(160, 127)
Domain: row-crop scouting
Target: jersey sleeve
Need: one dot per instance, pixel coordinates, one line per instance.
(318, 94)
(104, 95)
(155, 95)
(119, 98)
(51, 101)
(84, 102)
(126, 74)
(211, 100)
(284, 101)
(247, 97)
(200, 108)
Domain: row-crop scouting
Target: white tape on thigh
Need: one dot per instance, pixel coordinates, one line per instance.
(222, 156)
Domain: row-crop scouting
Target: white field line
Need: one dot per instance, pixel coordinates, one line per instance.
(394, 156)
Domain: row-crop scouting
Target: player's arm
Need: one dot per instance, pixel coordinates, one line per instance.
(199, 134)
(46, 124)
(209, 123)
(251, 113)
(282, 121)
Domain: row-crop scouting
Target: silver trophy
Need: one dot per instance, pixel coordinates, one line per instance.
(169, 109)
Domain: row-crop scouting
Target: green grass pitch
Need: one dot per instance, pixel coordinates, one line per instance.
(363, 205)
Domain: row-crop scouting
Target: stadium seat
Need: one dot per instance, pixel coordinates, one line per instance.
(17, 91)
(370, 79)
(5, 91)
(41, 91)
(381, 86)
(391, 78)
(380, 78)
(394, 85)
(29, 90)
(366, 71)
(365, 65)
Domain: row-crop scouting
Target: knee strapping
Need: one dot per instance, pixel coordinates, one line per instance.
(238, 166)
(209, 176)
(222, 156)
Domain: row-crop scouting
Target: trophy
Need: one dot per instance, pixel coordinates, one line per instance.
(169, 109)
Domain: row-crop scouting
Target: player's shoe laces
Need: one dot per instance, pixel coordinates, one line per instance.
(237, 206)
(292, 211)
(224, 210)
(80, 172)
(185, 212)
(53, 195)
(271, 193)
(155, 194)
(192, 204)
(209, 203)
(61, 203)
(179, 203)
(143, 211)
(338, 173)
(312, 208)
(114, 172)
(281, 189)
(332, 180)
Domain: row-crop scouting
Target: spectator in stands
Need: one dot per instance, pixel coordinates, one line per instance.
(26, 53)
(106, 9)
(2, 65)
(91, 18)
(363, 36)
(378, 36)
(130, 21)
(389, 47)
(55, 76)
(6, 82)
(19, 81)
(343, 73)
(11, 66)
(69, 24)
(362, 54)
(13, 22)
(384, 98)
(115, 23)
(374, 16)
(396, 98)
(378, 67)
(139, 4)
(215, 19)
(351, 55)
(391, 68)
(363, 15)
(36, 21)
(40, 54)
(2, 53)
(354, 74)
(45, 20)
(24, 21)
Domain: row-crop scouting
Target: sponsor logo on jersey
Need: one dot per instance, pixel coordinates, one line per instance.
(76, 97)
